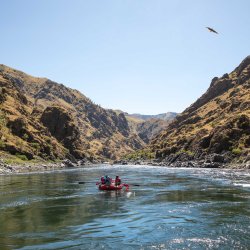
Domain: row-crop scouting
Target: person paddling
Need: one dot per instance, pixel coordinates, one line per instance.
(118, 180)
(103, 180)
(108, 180)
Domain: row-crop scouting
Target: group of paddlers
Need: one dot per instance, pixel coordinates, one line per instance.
(106, 180)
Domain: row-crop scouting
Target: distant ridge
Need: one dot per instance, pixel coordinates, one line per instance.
(148, 126)
(169, 116)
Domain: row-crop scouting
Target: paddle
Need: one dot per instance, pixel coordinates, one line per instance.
(84, 182)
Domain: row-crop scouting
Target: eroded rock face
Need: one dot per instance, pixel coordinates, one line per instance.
(150, 128)
(62, 126)
(18, 126)
(59, 123)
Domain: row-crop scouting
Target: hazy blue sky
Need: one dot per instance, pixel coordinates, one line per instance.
(146, 56)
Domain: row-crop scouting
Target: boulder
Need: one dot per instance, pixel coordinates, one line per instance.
(217, 158)
(69, 164)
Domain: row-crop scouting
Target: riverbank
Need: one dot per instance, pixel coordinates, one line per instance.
(187, 164)
(188, 160)
(43, 166)
(26, 167)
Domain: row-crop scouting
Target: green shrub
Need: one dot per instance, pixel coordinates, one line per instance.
(139, 155)
(188, 152)
(22, 157)
(25, 137)
(2, 119)
(236, 151)
(35, 145)
(2, 144)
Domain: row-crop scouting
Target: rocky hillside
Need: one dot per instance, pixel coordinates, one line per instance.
(148, 126)
(216, 128)
(41, 118)
(148, 129)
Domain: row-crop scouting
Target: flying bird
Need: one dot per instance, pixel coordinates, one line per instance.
(212, 30)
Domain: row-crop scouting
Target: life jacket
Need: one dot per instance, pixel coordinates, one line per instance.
(118, 181)
(108, 180)
(103, 180)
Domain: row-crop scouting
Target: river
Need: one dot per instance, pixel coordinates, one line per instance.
(166, 208)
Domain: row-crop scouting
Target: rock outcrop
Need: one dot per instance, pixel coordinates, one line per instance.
(62, 126)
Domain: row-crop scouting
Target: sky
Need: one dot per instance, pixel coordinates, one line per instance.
(139, 56)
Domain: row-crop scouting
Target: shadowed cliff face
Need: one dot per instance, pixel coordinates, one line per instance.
(147, 130)
(147, 126)
(217, 123)
(62, 126)
(40, 117)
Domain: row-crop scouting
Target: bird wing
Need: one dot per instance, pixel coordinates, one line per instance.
(212, 30)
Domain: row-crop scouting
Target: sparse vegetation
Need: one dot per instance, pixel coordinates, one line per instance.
(25, 137)
(2, 144)
(35, 145)
(2, 119)
(236, 151)
(188, 152)
(139, 155)
(22, 157)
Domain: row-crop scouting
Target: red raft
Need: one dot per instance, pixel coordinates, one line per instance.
(113, 187)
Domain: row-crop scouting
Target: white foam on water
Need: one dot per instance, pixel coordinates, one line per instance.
(242, 184)
(130, 194)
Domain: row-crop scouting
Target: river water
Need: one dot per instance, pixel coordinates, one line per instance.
(166, 208)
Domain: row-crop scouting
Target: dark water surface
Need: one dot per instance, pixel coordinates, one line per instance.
(171, 209)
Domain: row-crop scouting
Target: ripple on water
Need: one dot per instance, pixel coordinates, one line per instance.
(26, 201)
(169, 209)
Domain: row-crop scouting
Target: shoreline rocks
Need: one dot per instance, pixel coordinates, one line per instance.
(40, 166)
(210, 161)
(214, 162)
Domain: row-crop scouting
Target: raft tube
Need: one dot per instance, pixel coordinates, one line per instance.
(113, 187)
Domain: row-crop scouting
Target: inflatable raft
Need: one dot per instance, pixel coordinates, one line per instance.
(113, 187)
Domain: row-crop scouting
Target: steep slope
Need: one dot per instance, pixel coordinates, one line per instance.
(148, 129)
(42, 118)
(148, 126)
(214, 128)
